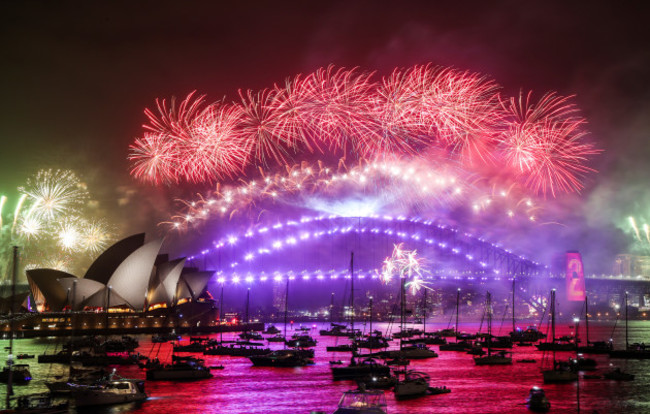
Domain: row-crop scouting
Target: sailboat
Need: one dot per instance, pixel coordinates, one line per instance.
(562, 344)
(456, 346)
(500, 358)
(562, 371)
(417, 351)
(416, 384)
(284, 357)
(633, 351)
(363, 367)
(598, 347)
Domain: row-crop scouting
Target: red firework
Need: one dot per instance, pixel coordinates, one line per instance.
(418, 110)
(543, 143)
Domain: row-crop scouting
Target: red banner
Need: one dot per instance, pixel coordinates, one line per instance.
(575, 277)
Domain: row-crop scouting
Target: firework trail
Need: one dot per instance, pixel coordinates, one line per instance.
(635, 228)
(423, 111)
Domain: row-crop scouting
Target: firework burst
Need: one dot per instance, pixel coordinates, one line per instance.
(405, 264)
(54, 193)
(422, 111)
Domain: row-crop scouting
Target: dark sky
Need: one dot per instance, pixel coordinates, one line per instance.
(76, 75)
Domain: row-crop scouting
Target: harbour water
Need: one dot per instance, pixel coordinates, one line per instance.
(241, 388)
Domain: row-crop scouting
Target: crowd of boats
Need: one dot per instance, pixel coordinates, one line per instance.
(377, 361)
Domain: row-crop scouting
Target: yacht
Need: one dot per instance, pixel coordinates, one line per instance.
(537, 400)
(499, 358)
(181, 368)
(271, 330)
(301, 341)
(20, 374)
(111, 390)
(362, 401)
(281, 358)
(617, 375)
(365, 367)
(418, 351)
(416, 384)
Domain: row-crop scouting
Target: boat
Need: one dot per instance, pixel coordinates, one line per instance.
(301, 341)
(276, 338)
(162, 338)
(597, 347)
(617, 375)
(341, 348)
(527, 361)
(251, 335)
(25, 356)
(537, 400)
(501, 357)
(374, 382)
(181, 368)
(416, 384)
(584, 364)
(372, 342)
(631, 351)
(271, 330)
(281, 358)
(111, 390)
(236, 350)
(418, 351)
(360, 369)
(20, 374)
(61, 357)
(458, 346)
(42, 403)
(561, 371)
(362, 401)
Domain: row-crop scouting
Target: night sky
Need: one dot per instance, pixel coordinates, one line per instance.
(76, 76)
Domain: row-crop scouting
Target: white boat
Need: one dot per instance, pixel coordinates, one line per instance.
(362, 401)
(108, 391)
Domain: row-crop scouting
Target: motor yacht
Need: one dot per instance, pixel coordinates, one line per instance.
(111, 390)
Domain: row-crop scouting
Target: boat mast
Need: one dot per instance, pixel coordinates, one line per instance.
(10, 360)
(352, 293)
(457, 305)
(402, 293)
(553, 323)
(248, 296)
(488, 309)
(221, 314)
(513, 305)
(587, 318)
(332, 309)
(370, 315)
(627, 345)
(286, 310)
(424, 316)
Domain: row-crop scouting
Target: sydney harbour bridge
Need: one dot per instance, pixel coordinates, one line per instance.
(316, 251)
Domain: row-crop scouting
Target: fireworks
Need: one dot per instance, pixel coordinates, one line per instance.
(50, 222)
(54, 193)
(543, 143)
(365, 189)
(424, 110)
(406, 265)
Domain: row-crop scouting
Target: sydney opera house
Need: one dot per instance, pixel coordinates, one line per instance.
(130, 287)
